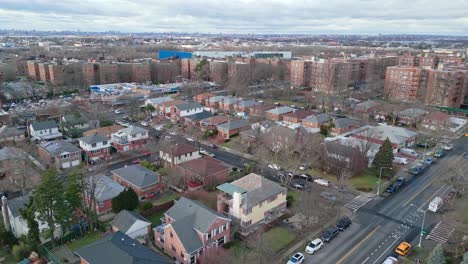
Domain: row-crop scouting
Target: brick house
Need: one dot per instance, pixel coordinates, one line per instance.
(130, 138)
(202, 171)
(178, 153)
(191, 230)
(194, 120)
(164, 108)
(315, 121)
(343, 125)
(228, 103)
(185, 109)
(411, 116)
(215, 101)
(203, 98)
(367, 108)
(251, 201)
(106, 131)
(60, 154)
(295, 117)
(95, 147)
(399, 136)
(435, 120)
(146, 183)
(212, 122)
(157, 102)
(277, 113)
(233, 127)
(245, 106)
(259, 110)
(105, 189)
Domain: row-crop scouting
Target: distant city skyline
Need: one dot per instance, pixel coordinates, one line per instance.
(243, 16)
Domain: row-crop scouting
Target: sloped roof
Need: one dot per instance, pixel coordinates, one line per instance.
(199, 116)
(412, 112)
(346, 122)
(364, 106)
(96, 138)
(234, 124)
(301, 113)
(7, 131)
(320, 119)
(118, 248)
(188, 106)
(396, 135)
(172, 103)
(248, 103)
(124, 220)
(216, 99)
(179, 149)
(137, 175)
(281, 110)
(108, 130)
(17, 203)
(131, 130)
(231, 100)
(57, 147)
(105, 187)
(159, 100)
(44, 125)
(205, 166)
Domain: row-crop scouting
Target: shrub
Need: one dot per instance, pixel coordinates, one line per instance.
(20, 252)
(146, 206)
(289, 200)
(7, 238)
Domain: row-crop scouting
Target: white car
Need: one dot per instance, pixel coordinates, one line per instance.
(447, 146)
(298, 258)
(144, 123)
(190, 139)
(172, 133)
(322, 182)
(274, 166)
(159, 128)
(390, 260)
(302, 167)
(314, 246)
(117, 111)
(206, 153)
(399, 160)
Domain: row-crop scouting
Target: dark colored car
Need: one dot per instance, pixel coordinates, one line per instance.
(400, 181)
(392, 188)
(423, 145)
(330, 234)
(343, 223)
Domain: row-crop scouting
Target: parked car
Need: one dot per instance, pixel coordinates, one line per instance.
(328, 196)
(428, 161)
(274, 167)
(137, 161)
(117, 111)
(190, 139)
(423, 145)
(172, 133)
(399, 160)
(304, 176)
(322, 182)
(447, 146)
(439, 153)
(391, 188)
(400, 181)
(390, 260)
(330, 234)
(159, 128)
(403, 248)
(214, 146)
(144, 123)
(343, 223)
(302, 167)
(314, 246)
(298, 258)
(206, 153)
(298, 186)
(409, 152)
(465, 156)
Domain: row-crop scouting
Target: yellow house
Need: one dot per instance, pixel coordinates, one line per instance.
(252, 200)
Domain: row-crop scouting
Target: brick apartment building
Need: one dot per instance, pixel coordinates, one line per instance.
(185, 68)
(44, 71)
(33, 70)
(405, 83)
(219, 72)
(141, 72)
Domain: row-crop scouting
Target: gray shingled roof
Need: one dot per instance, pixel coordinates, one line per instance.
(216, 99)
(7, 131)
(44, 125)
(17, 203)
(159, 100)
(105, 187)
(124, 220)
(234, 124)
(96, 138)
(345, 122)
(320, 119)
(248, 103)
(55, 148)
(189, 216)
(118, 248)
(412, 112)
(187, 106)
(137, 175)
(199, 116)
(281, 110)
(132, 130)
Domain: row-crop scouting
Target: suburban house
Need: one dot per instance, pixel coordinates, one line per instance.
(245, 106)
(251, 201)
(75, 122)
(146, 183)
(259, 110)
(399, 136)
(315, 121)
(195, 119)
(178, 153)
(411, 116)
(130, 138)
(105, 131)
(131, 224)
(276, 114)
(60, 154)
(228, 103)
(203, 171)
(102, 189)
(13, 220)
(11, 134)
(436, 120)
(164, 108)
(212, 122)
(118, 248)
(367, 107)
(95, 147)
(185, 109)
(295, 117)
(203, 98)
(232, 127)
(156, 103)
(343, 125)
(191, 230)
(45, 130)
(215, 101)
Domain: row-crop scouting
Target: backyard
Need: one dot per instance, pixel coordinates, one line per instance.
(83, 241)
(278, 238)
(156, 219)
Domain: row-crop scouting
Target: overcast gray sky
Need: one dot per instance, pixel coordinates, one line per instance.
(240, 16)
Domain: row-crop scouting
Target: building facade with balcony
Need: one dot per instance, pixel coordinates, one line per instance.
(129, 138)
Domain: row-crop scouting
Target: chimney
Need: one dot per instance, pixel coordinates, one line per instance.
(6, 217)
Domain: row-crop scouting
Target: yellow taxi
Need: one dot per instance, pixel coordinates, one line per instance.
(403, 248)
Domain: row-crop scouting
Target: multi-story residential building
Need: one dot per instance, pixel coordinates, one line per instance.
(44, 71)
(45, 130)
(108, 73)
(251, 201)
(95, 147)
(99, 191)
(60, 154)
(190, 230)
(146, 183)
(185, 68)
(179, 153)
(405, 83)
(129, 138)
(33, 70)
(141, 72)
(300, 73)
(90, 74)
(446, 87)
(219, 72)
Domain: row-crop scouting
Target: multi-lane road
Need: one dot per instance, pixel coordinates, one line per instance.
(382, 223)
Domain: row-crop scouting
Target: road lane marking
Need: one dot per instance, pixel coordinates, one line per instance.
(436, 193)
(365, 260)
(358, 245)
(419, 192)
(385, 251)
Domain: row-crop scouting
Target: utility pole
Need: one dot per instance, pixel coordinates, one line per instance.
(380, 176)
(422, 228)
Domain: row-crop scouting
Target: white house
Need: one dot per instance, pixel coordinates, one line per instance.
(46, 130)
(179, 153)
(129, 138)
(96, 146)
(132, 224)
(186, 109)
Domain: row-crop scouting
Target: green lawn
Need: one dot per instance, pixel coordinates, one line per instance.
(167, 198)
(295, 194)
(156, 219)
(278, 238)
(86, 240)
(367, 180)
(4, 253)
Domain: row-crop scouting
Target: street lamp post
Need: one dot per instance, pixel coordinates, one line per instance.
(422, 228)
(380, 176)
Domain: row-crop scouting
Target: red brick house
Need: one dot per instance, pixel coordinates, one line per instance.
(146, 183)
(245, 106)
(276, 114)
(205, 170)
(203, 98)
(179, 153)
(59, 154)
(95, 147)
(191, 230)
(105, 189)
(435, 120)
(215, 101)
(296, 117)
(343, 125)
(164, 108)
(228, 103)
(212, 122)
(233, 127)
(129, 138)
(106, 131)
(259, 110)
(315, 121)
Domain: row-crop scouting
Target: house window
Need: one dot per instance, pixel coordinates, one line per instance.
(220, 241)
(245, 224)
(171, 235)
(104, 142)
(173, 248)
(247, 211)
(182, 254)
(208, 235)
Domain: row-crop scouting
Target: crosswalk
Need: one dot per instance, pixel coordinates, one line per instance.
(441, 233)
(357, 202)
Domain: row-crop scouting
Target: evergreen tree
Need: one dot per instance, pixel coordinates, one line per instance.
(49, 203)
(437, 256)
(384, 157)
(33, 239)
(74, 189)
(126, 200)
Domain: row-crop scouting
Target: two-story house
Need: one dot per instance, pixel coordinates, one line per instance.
(228, 103)
(178, 153)
(146, 183)
(130, 138)
(296, 116)
(95, 147)
(73, 123)
(185, 109)
(60, 154)
(156, 103)
(315, 121)
(251, 201)
(191, 230)
(164, 109)
(45, 130)
(245, 105)
(11, 134)
(99, 191)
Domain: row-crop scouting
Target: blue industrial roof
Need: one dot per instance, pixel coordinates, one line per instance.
(168, 54)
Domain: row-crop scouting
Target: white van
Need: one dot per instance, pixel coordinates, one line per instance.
(399, 160)
(322, 182)
(409, 152)
(390, 260)
(436, 204)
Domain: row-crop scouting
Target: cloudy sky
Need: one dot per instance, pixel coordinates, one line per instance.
(240, 16)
